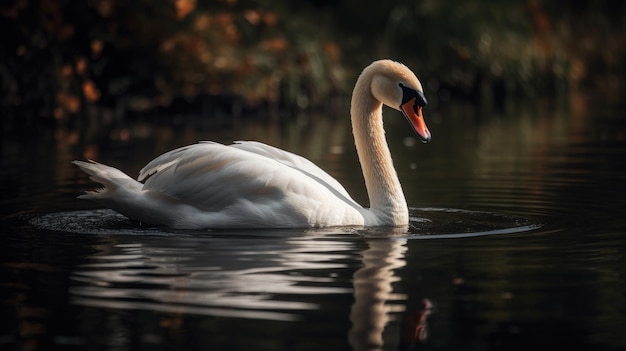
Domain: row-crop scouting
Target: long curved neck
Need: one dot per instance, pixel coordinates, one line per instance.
(383, 187)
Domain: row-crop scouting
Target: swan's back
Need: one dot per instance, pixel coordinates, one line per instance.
(212, 175)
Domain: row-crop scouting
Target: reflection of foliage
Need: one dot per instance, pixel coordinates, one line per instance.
(64, 57)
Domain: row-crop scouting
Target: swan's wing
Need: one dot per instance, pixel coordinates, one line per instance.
(181, 155)
(214, 176)
(294, 161)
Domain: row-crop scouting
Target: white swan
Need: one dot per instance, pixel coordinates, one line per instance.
(253, 185)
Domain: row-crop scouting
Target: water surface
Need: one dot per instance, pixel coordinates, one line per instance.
(516, 242)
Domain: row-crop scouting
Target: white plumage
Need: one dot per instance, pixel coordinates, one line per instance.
(252, 185)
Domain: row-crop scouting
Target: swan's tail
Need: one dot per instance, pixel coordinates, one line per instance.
(115, 182)
(126, 195)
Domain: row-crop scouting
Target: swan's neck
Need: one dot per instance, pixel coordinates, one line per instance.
(386, 198)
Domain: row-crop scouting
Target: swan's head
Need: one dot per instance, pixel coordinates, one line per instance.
(396, 86)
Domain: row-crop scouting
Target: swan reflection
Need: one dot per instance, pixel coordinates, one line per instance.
(375, 300)
(236, 277)
(271, 276)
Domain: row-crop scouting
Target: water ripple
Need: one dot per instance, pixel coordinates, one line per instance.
(261, 274)
(427, 222)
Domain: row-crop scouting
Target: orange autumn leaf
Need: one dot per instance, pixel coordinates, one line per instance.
(184, 8)
(68, 102)
(90, 91)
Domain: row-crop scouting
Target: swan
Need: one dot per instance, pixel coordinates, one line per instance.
(249, 184)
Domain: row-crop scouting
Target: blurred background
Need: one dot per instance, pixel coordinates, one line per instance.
(92, 66)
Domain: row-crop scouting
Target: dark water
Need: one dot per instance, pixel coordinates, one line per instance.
(517, 241)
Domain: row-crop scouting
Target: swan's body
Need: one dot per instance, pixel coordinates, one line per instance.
(250, 184)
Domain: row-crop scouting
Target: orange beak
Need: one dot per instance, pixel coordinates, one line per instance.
(413, 113)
